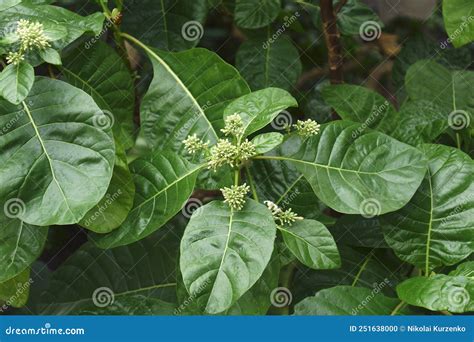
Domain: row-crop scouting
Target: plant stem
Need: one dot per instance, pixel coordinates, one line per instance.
(236, 177)
(333, 41)
(397, 308)
(251, 183)
(458, 140)
(362, 268)
(286, 278)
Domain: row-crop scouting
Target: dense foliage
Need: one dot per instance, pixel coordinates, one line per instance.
(299, 161)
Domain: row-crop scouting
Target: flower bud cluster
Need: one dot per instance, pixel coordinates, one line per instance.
(283, 217)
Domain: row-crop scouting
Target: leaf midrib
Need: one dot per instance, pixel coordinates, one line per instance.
(50, 161)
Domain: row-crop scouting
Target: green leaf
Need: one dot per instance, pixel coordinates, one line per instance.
(355, 171)
(267, 141)
(57, 161)
(167, 24)
(458, 21)
(176, 105)
(20, 245)
(439, 292)
(251, 15)
(115, 206)
(260, 107)
(163, 184)
(267, 62)
(16, 82)
(358, 104)
(450, 90)
(438, 220)
(50, 56)
(312, 244)
(60, 25)
(225, 252)
(118, 275)
(102, 73)
(15, 292)
(347, 300)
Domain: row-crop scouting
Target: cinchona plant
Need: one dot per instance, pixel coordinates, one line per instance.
(215, 199)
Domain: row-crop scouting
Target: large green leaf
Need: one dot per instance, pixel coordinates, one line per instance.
(260, 107)
(458, 21)
(58, 22)
(355, 171)
(450, 90)
(102, 73)
(453, 292)
(166, 24)
(163, 184)
(94, 277)
(187, 96)
(251, 15)
(115, 206)
(20, 245)
(312, 244)
(265, 62)
(16, 82)
(438, 221)
(8, 3)
(224, 252)
(347, 300)
(15, 292)
(57, 160)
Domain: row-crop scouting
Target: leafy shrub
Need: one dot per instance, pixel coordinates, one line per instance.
(141, 174)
